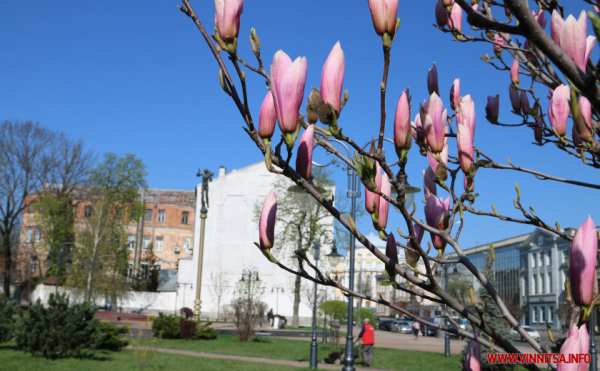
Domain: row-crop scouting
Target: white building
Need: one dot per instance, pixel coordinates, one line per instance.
(230, 234)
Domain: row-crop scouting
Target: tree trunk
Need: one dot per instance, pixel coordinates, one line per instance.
(297, 286)
(7, 259)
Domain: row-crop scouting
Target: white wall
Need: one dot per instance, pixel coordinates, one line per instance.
(229, 244)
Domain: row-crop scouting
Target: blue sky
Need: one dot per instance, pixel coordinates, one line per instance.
(136, 77)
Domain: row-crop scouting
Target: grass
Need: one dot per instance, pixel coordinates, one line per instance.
(14, 360)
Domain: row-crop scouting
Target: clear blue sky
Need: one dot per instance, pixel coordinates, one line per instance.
(136, 77)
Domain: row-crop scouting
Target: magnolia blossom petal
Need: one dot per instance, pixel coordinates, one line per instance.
(266, 225)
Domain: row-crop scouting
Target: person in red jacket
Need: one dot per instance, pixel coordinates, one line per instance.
(367, 334)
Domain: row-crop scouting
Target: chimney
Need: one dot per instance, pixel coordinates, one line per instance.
(222, 171)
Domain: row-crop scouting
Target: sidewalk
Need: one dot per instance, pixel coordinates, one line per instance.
(321, 365)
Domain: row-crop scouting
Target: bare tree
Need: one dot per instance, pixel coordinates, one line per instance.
(22, 157)
(219, 287)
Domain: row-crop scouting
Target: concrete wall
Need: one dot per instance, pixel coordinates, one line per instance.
(135, 302)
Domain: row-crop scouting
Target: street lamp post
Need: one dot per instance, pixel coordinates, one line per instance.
(313, 343)
(353, 193)
(252, 275)
(277, 289)
(446, 334)
(206, 177)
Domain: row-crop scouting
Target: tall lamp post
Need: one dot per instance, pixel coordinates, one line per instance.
(251, 275)
(206, 177)
(334, 259)
(353, 193)
(313, 343)
(277, 300)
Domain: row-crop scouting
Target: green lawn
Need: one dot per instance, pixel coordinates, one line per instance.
(11, 359)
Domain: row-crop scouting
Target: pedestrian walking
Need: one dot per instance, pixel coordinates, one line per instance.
(416, 329)
(367, 335)
(270, 317)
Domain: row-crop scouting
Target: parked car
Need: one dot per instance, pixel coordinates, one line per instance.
(531, 331)
(386, 325)
(428, 330)
(453, 335)
(403, 327)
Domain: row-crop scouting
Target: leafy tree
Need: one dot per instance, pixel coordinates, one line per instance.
(335, 311)
(100, 259)
(58, 329)
(219, 287)
(166, 326)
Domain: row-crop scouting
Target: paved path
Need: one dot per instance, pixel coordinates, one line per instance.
(321, 365)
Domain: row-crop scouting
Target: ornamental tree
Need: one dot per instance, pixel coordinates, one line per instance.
(536, 59)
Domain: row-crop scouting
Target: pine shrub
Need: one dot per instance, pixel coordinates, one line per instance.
(7, 320)
(59, 329)
(166, 327)
(112, 336)
(203, 332)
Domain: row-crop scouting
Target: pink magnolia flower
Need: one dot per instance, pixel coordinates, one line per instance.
(454, 94)
(570, 35)
(455, 18)
(429, 186)
(576, 139)
(464, 141)
(514, 72)
(524, 102)
(391, 251)
(267, 117)
(305, 152)
(447, 2)
(384, 205)
(432, 80)
(473, 356)
(402, 128)
(433, 163)
(540, 17)
(584, 126)
(466, 113)
(441, 15)
(437, 213)
(418, 234)
(499, 41)
(383, 13)
(227, 18)
(266, 225)
(475, 7)
(582, 270)
(288, 81)
(332, 77)
(515, 98)
(559, 110)
(433, 118)
(418, 131)
(577, 342)
(492, 109)
(372, 199)
(507, 11)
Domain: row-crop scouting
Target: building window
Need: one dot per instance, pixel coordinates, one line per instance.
(533, 260)
(130, 269)
(186, 245)
(358, 266)
(534, 289)
(161, 216)
(148, 215)
(144, 269)
(564, 255)
(147, 241)
(184, 217)
(131, 242)
(542, 314)
(533, 314)
(38, 234)
(369, 265)
(75, 211)
(159, 244)
(379, 266)
(549, 274)
(32, 207)
(157, 266)
(548, 258)
(28, 235)
(32, 264)
(543, 282)
(550, 314)
(118, 213)
(541, 261)
(87, 212)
